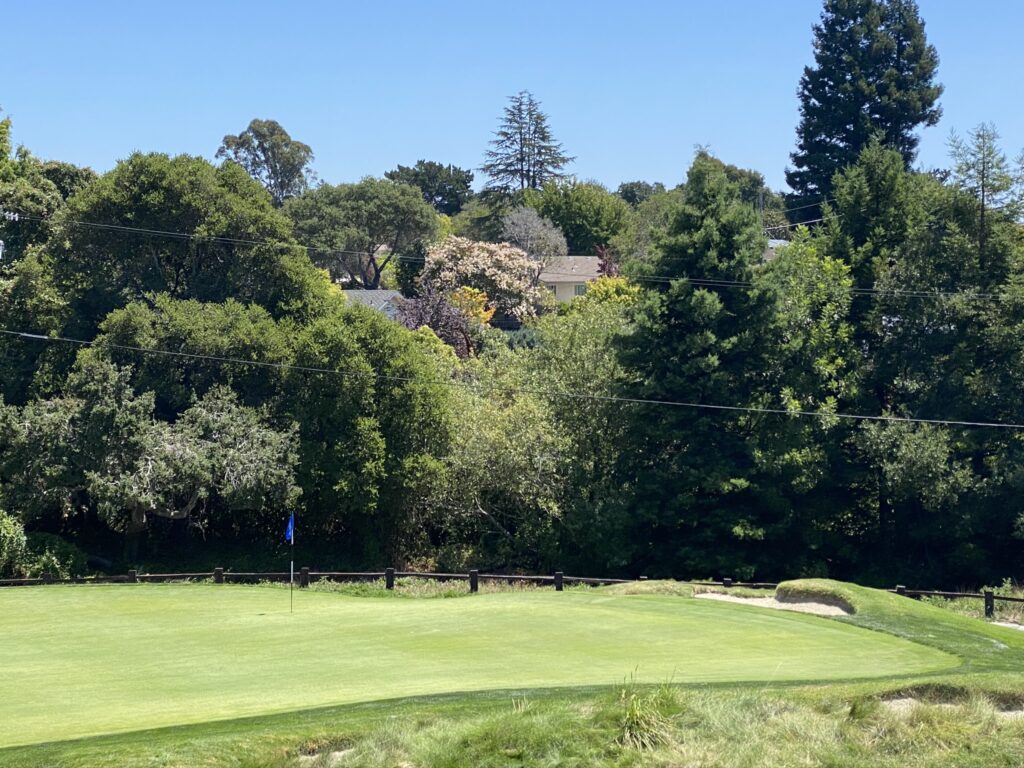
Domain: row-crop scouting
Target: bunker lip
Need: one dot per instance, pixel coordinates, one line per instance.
(788, 604)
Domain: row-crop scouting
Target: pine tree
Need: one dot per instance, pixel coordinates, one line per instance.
(983, 170)
(874, 74)
(524, 154)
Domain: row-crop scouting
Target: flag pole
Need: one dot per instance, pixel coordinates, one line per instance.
(291, 577)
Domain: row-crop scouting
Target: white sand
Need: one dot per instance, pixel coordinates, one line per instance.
(801, 606)
(904, 706)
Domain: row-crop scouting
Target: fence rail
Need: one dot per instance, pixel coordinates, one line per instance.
(558, 580)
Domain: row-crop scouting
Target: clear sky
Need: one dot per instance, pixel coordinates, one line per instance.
(630, 87)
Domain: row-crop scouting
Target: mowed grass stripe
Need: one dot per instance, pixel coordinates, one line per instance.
(79, 661)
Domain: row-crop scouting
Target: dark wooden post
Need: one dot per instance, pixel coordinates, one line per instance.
(133, 577)
(474, 581)
(558, 580)
(990, 604)
(389, 578)
(304, 578)
(218, 575)
(726, 583)
(901, 590)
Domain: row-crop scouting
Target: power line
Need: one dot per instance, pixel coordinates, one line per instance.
(26, 336)
(809, 205)
(657, 279)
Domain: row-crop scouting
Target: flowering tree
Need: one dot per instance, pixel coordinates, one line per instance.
(502, 271)
(432, 309)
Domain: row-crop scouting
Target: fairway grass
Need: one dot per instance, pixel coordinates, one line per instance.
(81, 661)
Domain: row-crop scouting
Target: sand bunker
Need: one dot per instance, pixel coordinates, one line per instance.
(801, 606)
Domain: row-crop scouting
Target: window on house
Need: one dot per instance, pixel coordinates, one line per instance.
(552, 288)
(581, 289)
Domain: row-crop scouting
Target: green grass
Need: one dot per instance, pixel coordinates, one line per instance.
(181, 675)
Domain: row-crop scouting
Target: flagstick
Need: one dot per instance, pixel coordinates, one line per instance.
(291, 577)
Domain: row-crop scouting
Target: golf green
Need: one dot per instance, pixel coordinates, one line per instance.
(79, 661)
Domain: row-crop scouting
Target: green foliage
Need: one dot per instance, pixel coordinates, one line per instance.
(34, 190)
(272, 157)
(446, 187)
(982, 170)
(524, 154)
(356, 230)
(12, 545)
(238, 245)
(636, 192)
(49, 555)
(29, 302)
(690, 476)
(587, 214)
(635, 246)
(873, 74)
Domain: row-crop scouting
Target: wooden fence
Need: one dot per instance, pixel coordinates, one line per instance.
(558, 580)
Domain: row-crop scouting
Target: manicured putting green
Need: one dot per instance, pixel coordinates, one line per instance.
(78, 661)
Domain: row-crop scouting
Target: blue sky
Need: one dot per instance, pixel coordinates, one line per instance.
(630, 87)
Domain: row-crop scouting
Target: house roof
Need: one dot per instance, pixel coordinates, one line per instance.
(382, 300)
(773, 248)
(572, 269)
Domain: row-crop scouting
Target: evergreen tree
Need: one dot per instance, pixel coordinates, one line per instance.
(983, 170)
(524, 154)
(692, 507)
(874, 73)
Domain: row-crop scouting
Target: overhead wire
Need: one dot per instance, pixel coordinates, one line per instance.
(655, 279)
(479, 386)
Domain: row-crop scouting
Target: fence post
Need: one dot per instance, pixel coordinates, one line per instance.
(304, 577)
(133, 577)
(990, 604)
(558, 580)
(218, 575)
(901, 590)
(389, 578)
(474, 581)
(726, 583)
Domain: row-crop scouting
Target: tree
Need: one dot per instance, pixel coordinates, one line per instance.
(98, 447)
(272, 157)
(636, 192)
(588, 214)
(29, 302)
(502, 271)
(874, 72)
(982, 170)
(232, 243)
(218, 460)
(356, 230)
(543, 242)
(692, 502)
(35, 191)
(432, 309)
(636, 245)
(525, 154)
(446, 187)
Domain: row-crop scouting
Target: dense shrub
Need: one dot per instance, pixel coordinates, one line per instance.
(12, 545)
(50, 555)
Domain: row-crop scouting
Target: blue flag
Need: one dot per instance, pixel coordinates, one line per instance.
(289, 534)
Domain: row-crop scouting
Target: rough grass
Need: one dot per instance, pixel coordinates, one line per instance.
(975, 607)
(630, 725)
